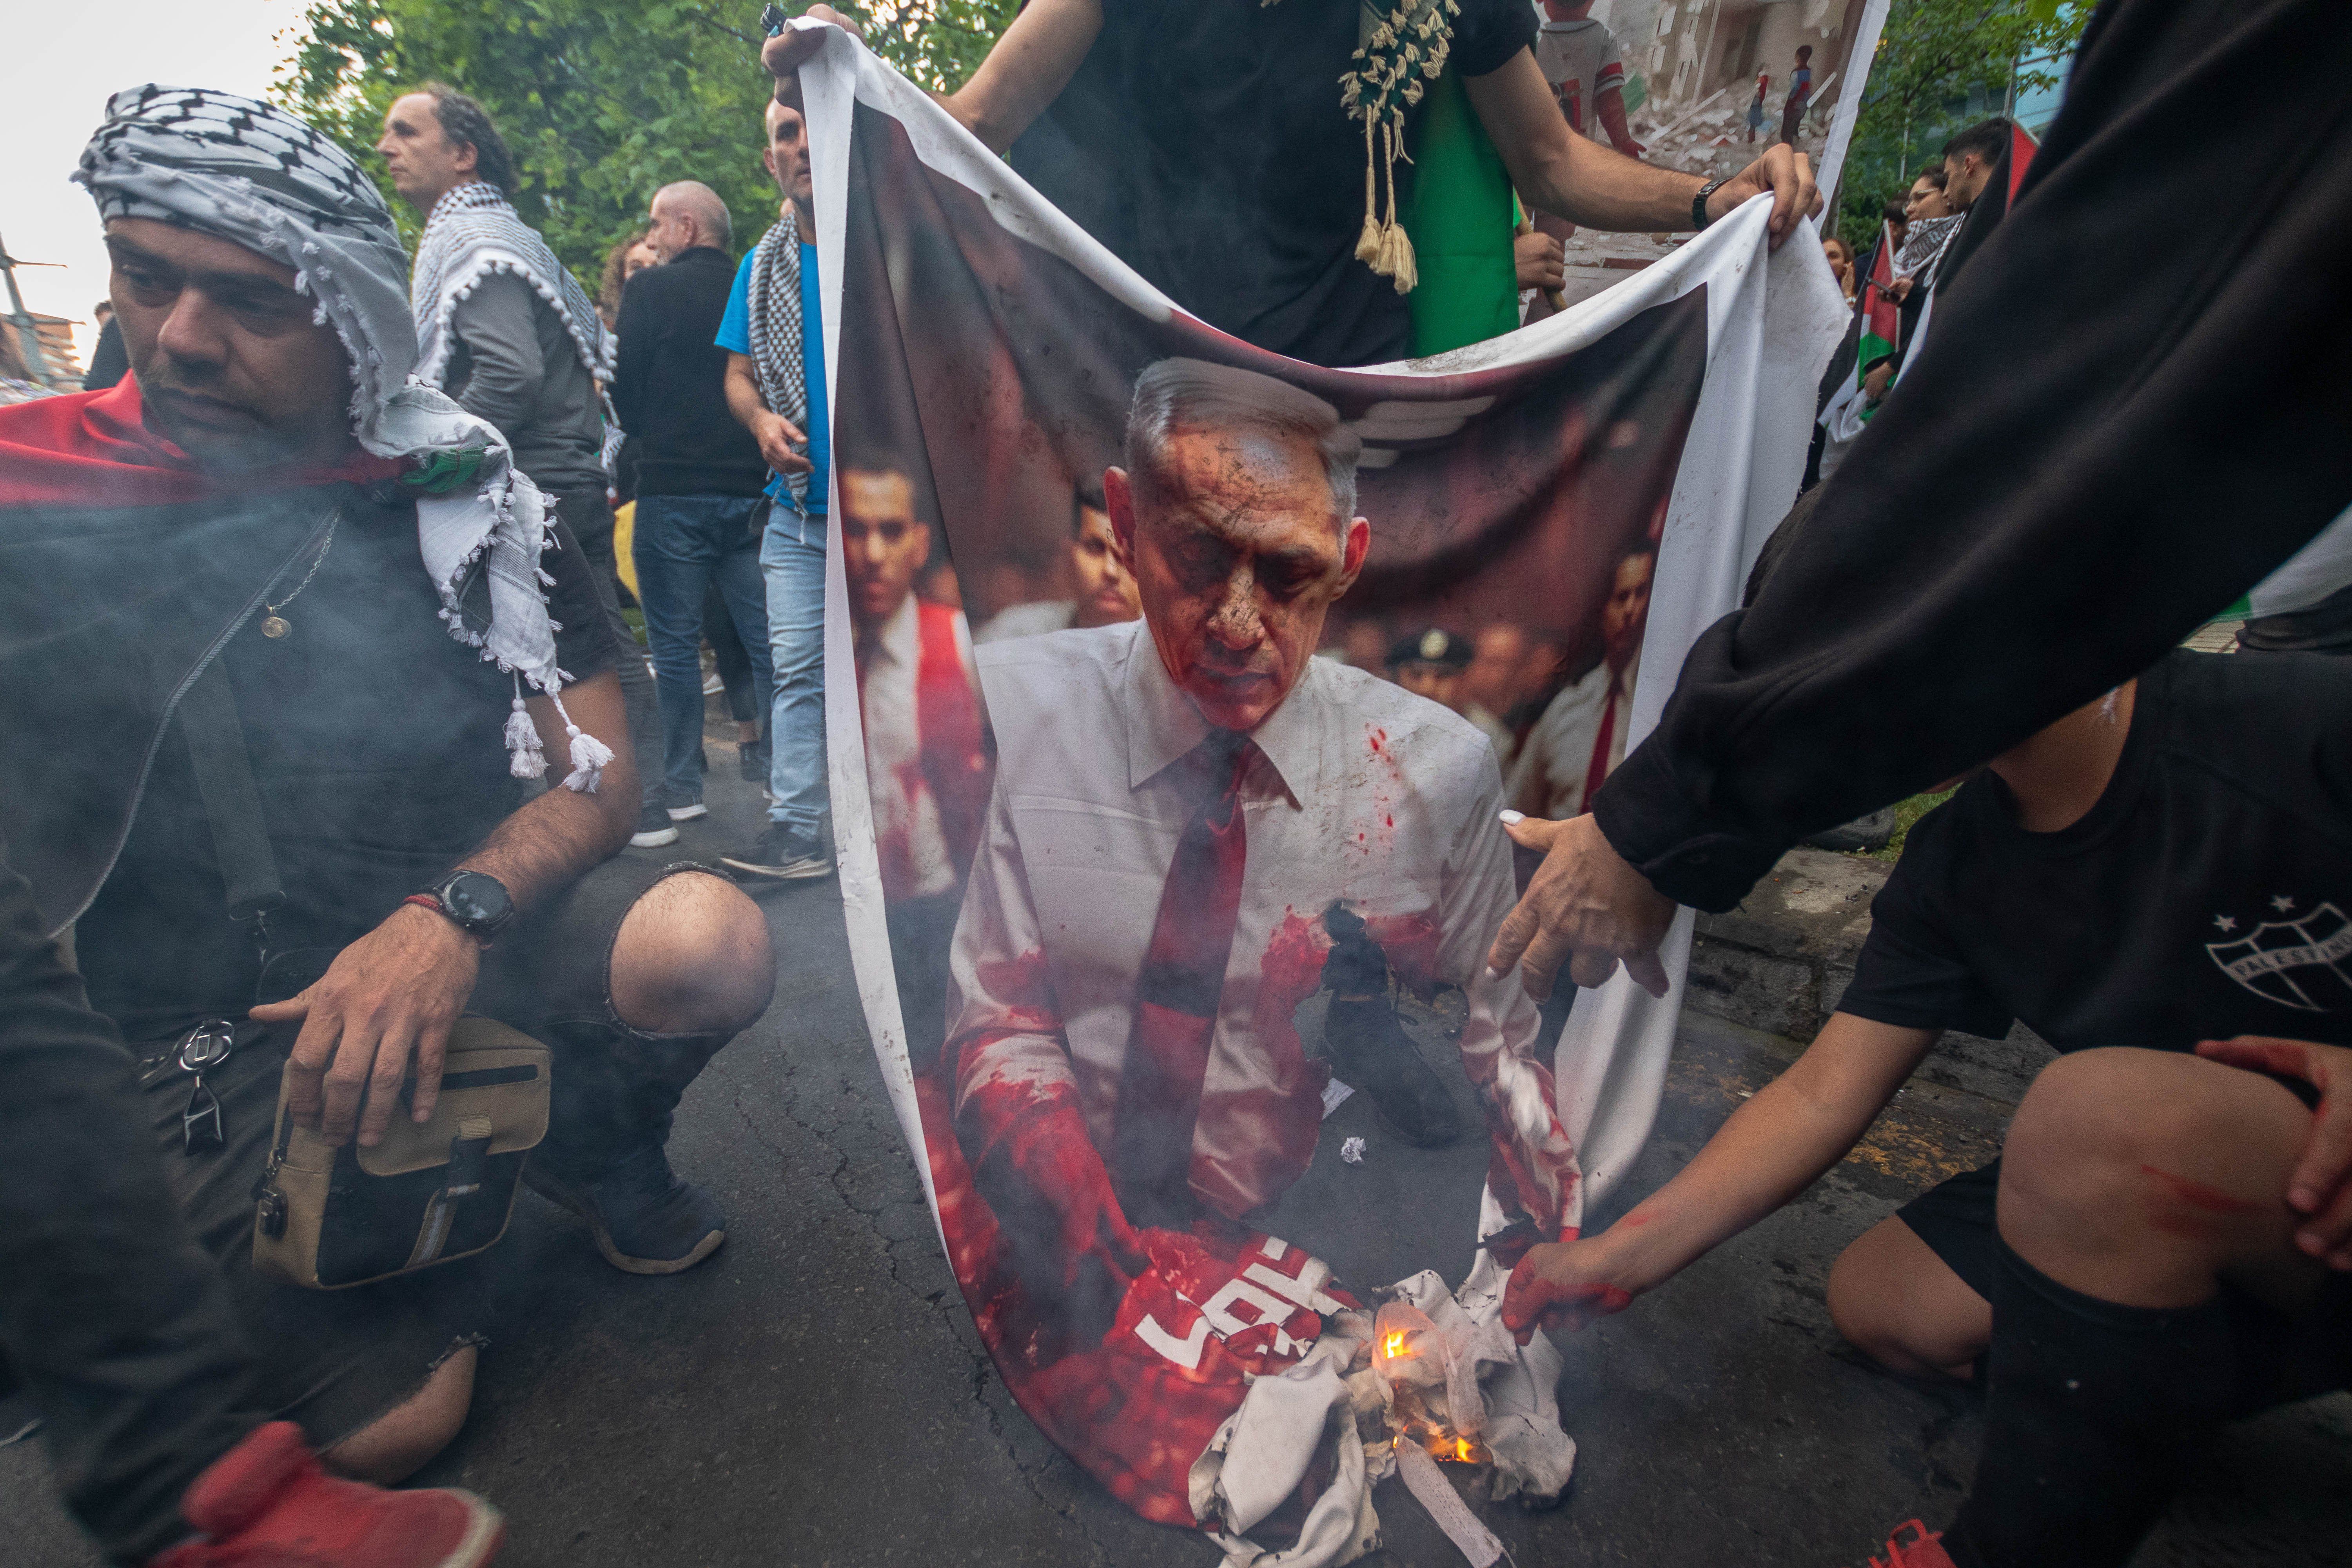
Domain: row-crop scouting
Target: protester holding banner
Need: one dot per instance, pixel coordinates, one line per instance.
(1139, 1129)
(2067, 445)
(1210, 146)
(774, 337)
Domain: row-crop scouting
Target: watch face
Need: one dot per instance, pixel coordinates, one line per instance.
(475, 900)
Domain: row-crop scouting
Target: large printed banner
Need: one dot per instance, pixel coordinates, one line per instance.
(1189, 684)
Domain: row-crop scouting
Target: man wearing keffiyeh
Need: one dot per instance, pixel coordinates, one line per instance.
(774, 338)
(508, 333)
(270, 516)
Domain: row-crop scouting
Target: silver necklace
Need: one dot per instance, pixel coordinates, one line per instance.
(275, 625)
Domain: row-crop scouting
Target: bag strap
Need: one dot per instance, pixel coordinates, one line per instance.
(224, 768)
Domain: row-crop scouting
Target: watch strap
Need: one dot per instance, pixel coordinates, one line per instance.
(1698, 202)
(434, 898)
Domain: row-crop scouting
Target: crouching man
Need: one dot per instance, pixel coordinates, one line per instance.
(267, 553)
(2156, 884)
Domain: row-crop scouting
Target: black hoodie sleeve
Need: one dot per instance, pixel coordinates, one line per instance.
(2132, 406)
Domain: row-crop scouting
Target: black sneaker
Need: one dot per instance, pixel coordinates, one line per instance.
(654, 829)
(1372, 1050)
(780, 856)
(643, 1219)
(688, 811)
(754, 764)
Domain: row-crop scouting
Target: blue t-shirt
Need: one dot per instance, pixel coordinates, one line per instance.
(735, 336)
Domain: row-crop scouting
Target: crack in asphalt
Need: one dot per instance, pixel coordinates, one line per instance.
(948, 1304)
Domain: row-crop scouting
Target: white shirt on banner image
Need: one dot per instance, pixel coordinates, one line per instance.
(1361, 792)
(910, 829)
(1577, 743)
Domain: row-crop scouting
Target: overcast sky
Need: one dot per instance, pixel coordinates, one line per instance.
(63, 58)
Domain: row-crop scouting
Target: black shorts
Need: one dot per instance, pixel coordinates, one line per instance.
(2280, 1359)
(336, 1360)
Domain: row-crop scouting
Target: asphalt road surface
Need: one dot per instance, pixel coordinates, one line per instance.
(815, 1394)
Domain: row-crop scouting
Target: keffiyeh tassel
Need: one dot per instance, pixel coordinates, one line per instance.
(589, 755)
(526, 759)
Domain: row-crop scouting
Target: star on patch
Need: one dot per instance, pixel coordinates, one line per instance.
(2281, 903)
(2225, 922)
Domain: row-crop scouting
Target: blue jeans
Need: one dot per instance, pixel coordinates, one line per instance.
(793, 557)
(684, 546)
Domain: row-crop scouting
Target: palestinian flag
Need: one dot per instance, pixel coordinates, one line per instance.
(1880, 330)
(1870, 337)
(2022, 148)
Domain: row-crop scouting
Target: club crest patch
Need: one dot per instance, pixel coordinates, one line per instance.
(2295, 960)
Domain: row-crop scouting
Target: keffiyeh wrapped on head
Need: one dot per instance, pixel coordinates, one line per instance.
(258, 177)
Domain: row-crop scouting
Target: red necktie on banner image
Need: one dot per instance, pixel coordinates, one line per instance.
(1596, 768)
(1177, 994)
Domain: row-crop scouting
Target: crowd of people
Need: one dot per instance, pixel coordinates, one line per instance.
(304, 605)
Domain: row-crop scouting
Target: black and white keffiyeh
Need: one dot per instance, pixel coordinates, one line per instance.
(773, 296)
(472, 232)
(260, 178)
(1923, 246)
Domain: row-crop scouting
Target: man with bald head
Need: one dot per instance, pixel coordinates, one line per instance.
(701, 478)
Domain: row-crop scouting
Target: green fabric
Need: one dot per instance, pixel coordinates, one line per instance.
(1459, 209)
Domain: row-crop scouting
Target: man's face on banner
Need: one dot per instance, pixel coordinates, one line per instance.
(1625, 615)
(1497, 655)
(1107, 593)
(1238, 556)
(883, 543)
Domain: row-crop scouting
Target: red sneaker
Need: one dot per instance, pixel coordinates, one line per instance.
(266, 1504)
(1924, 1549)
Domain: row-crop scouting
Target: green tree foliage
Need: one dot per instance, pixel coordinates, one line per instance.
(602, 102)
(1934, 57)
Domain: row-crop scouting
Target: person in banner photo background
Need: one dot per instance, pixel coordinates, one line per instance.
(1185, 916)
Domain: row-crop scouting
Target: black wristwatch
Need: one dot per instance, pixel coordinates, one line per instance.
(477, 902)
(1699, 202)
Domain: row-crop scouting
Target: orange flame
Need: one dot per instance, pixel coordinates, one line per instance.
(1394, 1346)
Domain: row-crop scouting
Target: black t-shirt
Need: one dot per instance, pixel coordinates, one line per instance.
(669, 385)
(377, 747)
(1202, 141)
(2206, 894)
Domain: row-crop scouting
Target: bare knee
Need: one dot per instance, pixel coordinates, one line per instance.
(2141, 1177)
(400, 1441)
(2098, 1127)
(1899, 1304)
(693, 958)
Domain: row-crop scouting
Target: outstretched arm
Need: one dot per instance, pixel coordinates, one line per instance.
(1025, 70)
(1585, 183)
(1772, 1148)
